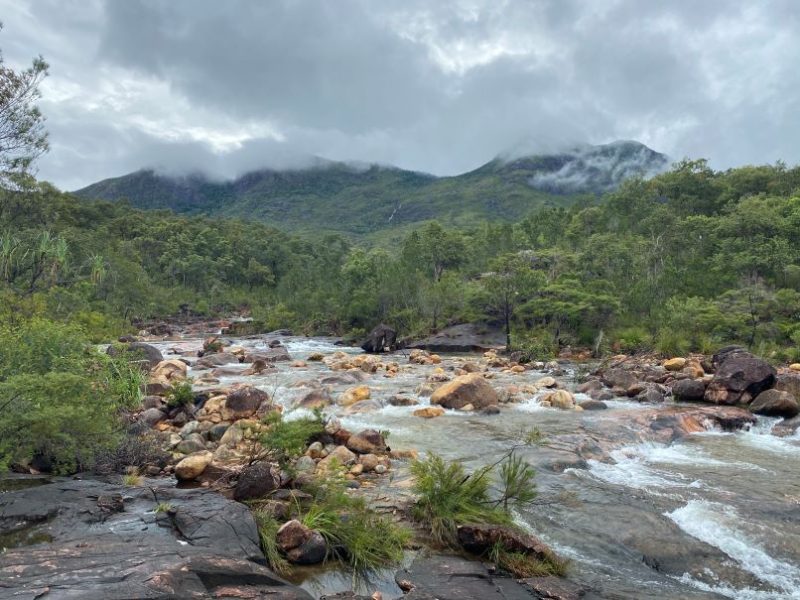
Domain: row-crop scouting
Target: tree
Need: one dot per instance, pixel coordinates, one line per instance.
(22, 135)
(508, 285)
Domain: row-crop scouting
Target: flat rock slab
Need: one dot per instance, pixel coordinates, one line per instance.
(108, 543)
(454, 578)
(461, 338)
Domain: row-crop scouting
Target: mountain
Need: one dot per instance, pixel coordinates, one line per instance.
(342, 197)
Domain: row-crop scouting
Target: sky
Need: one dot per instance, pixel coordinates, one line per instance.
(226, 87)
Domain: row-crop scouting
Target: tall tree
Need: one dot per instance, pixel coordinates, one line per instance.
(22, 135)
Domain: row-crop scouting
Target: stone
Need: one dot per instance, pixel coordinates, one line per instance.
(193, 466)
(244, 402)
(794, 367)
(788, 382)
(429, 412)
(341, 455)
(369, 461)
(217, 359)
(480, 538)
(739, 377)
(593, 405)
(301, 545)
(138, 351)
(402, 401)
(466, 389)
(171, 370)
(466, 337)
(379, 339)
(353, 395)
(368, 441)
(217, 432)
(560, 399)
(546, 382)
(675, 364)
(193, 443)
(316, 357)
(319, 398)
(689, 390)
(151, 416)
(652, 394)
(256, 481)
(619, 378)
(380, 469)
(232, 437)
(207, 548)
(775, 403)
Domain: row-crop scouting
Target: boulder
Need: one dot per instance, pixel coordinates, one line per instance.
(217, 360)
(340, 455)
(794, 367)
(546, 382)
(739, 377)
(480, 538)
(619, 378)
(138, 351)
(560, 399)
(368, 441)
(379, 339)
(193, 466)
(353, 395)
(429, 412)
(402, 401)
(593, 405)
(256, 481)
(319, 398)
(466, 389)
(151, 416)
(675, 364)
(467, 337)
(775, 403)
(689, 390)
(206, 547)
(301, 545)
(244, 402)
(653, 393)
(789, 382)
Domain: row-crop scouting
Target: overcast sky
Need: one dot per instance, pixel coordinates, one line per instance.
(440, 86)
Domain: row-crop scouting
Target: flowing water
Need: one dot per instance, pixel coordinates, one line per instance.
(713, 515)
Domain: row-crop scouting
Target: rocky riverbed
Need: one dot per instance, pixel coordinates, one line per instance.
(649, 496)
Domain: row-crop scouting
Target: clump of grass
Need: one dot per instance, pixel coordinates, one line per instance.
(524, 565)
(180, 394)
(448, 497)
(267, 532)
(163, 507)
(286, 440)
(132, 479)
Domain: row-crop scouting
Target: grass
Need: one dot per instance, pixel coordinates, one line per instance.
(180, 394)
(288, 439)
(267, 531)
(163, 507)
(523, 565)
(132, 479)
(448, 497)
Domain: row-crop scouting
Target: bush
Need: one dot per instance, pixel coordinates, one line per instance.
(672, 343)
(286, 440)
(180, 394)
(60, 399)
(633, 340)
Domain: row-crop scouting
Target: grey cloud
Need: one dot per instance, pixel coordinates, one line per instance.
(227, 87)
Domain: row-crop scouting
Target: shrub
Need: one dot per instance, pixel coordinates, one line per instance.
(180, 394)
(672, 343)
(60, 399)
(632, 340)
(288, 439)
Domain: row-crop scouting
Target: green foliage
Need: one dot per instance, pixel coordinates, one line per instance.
(289, 439)
(449, 497)
(163, 507)
(356, 535)
(180, 394)
(267, 531)
(525, 565)
(60, 399)
(133, 479)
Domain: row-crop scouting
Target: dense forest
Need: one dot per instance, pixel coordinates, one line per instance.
(687, 260)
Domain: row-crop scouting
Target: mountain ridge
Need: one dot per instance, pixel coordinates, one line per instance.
(360, 199)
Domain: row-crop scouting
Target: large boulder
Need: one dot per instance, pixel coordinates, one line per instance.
(379, 339)
(466, 389)
(193, 466)
(205, 546)
(739, 377)
(789, 382)
(217, 360)
(467, 337)
(244, 402)
(368, 441)
(689, 390)
(775, 403)
(256, 481)
(138, 351)
(301, 545)
(616, 377)
(169, 371)
(480, 538)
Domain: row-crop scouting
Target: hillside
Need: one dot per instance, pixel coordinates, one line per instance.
(340, 197)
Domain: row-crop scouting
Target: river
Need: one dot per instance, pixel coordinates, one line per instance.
(713, 515)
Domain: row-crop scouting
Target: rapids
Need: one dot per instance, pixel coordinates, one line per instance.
(712, 515)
